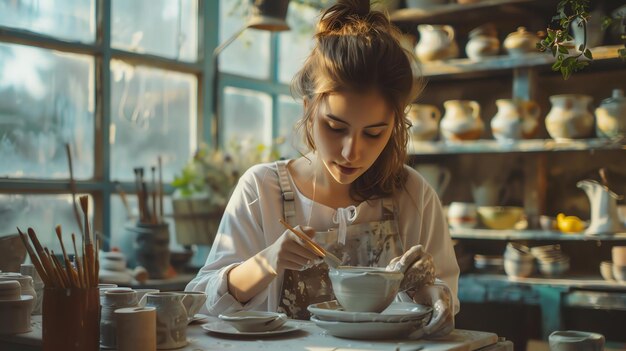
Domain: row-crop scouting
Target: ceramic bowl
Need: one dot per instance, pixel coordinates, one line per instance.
(254, 321)
(365, 289)
(572, 340)
(606, 270)
(518, 269)
(619, 273)
(500, 217)
(554, 268)
(488, 263)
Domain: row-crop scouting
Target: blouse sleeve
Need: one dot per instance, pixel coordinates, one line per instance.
(430, 229)
(239, 237)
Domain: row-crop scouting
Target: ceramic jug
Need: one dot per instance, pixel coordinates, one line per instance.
(483, 41)
(461, 120)
(569, 117)
(515, 119)
(604, 217)
(462, 215)
(110, 300)
(611, 116)
(171, 319)
(436, 43)
(424, 122)
(520, 42)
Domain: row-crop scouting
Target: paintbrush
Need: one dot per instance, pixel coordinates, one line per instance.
(89, 254)
(65, 283)
(73, 188)
(328, 257)
(120, 190)
(154, 194)
(160, 189)
(45, 262)
(81, 280)
(68, 264)
(34, 259)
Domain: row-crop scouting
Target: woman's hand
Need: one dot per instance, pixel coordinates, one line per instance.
(418, 268)
(439, 297)
(289, 252)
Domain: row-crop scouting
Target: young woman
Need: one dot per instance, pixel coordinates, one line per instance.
(351, 193)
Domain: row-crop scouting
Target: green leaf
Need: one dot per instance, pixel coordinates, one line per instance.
(553, 50)
(581, 47)
(566, 73)
(563, 50)
(556, 66)
(588, 55)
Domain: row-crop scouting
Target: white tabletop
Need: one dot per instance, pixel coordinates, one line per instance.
(308, 338)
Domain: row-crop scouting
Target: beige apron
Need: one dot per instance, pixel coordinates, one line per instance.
(371, 244)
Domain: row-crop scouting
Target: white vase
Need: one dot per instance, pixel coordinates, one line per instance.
(611, 116)
(436, 43)
(569, 117)
(461, 120)
(424, 122)
(515, 119)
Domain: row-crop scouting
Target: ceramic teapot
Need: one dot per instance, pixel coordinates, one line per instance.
(611, 116)
(515, 119)
(569, 117)
(483, 41)
(436, 43)
(604, 217)
(461, 120)
(425, 122)
(520, 42)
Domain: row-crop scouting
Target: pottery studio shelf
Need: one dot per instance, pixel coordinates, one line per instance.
(581, 281)
(603, 56)
(495, 146)
(490, 234)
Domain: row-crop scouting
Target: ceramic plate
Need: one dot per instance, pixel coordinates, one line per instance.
(396, 312)
(368, 330)
(220, 327)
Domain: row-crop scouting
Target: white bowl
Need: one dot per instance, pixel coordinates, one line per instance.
(365, 289)
(500, 217)
(518, 269)
(555, 268)
(254, 321)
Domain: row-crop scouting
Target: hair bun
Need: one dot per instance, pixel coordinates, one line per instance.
(343, 11)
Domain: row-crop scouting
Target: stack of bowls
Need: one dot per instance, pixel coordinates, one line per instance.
(551, 260)
(489, 264)
(619, 263)
(518, 261)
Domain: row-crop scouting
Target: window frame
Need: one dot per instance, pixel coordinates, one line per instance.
(101, 187)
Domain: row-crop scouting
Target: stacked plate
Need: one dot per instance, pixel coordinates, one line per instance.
(551, 260)
(398, 320)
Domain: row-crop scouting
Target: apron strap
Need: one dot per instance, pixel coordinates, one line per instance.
(388, 208)
(289, 207)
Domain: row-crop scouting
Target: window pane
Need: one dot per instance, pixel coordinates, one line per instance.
(296, 44)
(63, 19)
(42, 213)
(249, 55)
(289, 113)
(154, 113)
(167, 28)
(246, 115)
(46, 100)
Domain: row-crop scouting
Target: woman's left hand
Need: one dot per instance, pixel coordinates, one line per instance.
(418, 268)
(439, 297)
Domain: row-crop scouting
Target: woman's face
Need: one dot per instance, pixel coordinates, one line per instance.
(350, 131)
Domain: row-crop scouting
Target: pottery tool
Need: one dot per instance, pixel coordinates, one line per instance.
(328, 257)
(154, 195)
(34, 259)
(160, 188)
(73, 188)
(89, 254)
(120, 190)
(45, 262)
(81, 280)
(68, 264)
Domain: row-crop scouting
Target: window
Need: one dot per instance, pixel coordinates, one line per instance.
(120, 100)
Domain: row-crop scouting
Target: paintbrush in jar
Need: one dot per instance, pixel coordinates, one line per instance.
(77, 259)
(153, 194)
(68, 264)
(46, 263)
(160, 190)
(65, 283)
(89, 253)
(35, 259)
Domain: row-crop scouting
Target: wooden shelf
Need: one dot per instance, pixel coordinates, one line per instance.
(568, 281)
(490, 234)
(495, 146)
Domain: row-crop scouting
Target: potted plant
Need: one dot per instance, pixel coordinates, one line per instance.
(205, 184)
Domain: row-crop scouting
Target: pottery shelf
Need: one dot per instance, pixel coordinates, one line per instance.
(490, 234)
(457, 68)
(475, 12)
(569, 281)
(495, 146)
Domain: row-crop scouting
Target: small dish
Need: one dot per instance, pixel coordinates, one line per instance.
(224, 328)
(395, 313)
(369, 330)
(254, 321)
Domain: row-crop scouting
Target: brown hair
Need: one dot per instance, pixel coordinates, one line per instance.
(359, 51)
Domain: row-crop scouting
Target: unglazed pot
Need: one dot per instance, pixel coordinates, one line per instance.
(569, 117)
(611, 116)
(425, 122)
(461, 120)
(436, 43)
(520, 42)
(515, 119)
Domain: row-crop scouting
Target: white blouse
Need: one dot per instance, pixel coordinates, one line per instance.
(250, 224)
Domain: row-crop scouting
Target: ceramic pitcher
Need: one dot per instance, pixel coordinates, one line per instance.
(569, 117)
(611, 116)
(604, 217)
(461, 120)
(171, 318)
(425, 122)
(515, 119)
(483, 41)
(436, 43)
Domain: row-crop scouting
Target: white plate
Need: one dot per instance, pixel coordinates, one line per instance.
(227, 329)
(369, 330)
(396, 312)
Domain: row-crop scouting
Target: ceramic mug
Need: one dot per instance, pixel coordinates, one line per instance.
(193, 302)
(171, 321)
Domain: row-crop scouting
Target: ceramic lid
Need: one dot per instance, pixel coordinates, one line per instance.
(9, 290)
(617, 97)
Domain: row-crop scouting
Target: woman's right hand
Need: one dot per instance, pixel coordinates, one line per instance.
(289, 252)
